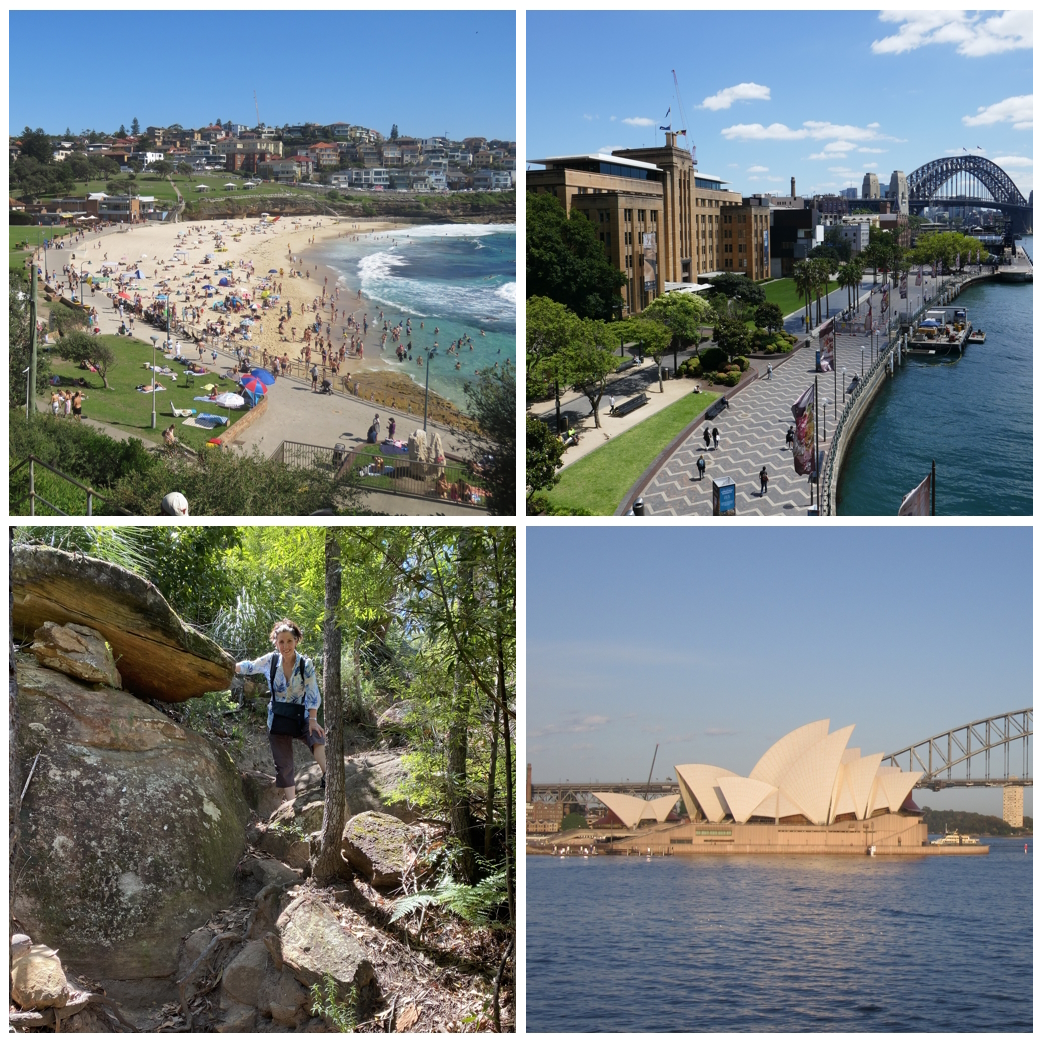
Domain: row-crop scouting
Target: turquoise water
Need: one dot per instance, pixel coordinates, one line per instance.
(973, 415)
(460, 279)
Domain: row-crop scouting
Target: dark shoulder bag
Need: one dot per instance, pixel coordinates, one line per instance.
(287, 717)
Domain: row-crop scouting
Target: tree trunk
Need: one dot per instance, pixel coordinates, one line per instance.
(14, 772)
(328, 864)
(456, 772)
(662, 390)
(557, 399)
(490, 793)
(509, 774)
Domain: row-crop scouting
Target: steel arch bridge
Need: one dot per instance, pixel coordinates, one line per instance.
(968, 180)
(943, 757)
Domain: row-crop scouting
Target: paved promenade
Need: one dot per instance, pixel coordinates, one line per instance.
(752, 435)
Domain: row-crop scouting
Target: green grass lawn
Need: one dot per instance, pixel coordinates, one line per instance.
(782, 291)
(599, 481)
(149, 184)
(128, 409)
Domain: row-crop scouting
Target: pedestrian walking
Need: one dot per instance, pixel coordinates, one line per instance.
(701, 464)
(314, 378)
(376, 426)
(716, 438)
(707, 437)
(770, 372)
(790, 437)
(611, 403)
(763, 481)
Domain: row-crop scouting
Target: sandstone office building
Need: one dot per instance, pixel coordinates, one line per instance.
(661, 220)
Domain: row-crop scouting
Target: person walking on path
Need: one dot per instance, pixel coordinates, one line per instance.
(314, 378)
(716, 438)
(701, 464)
(770, 372)
(763, 481)
(293, 706)
(611, 403)
(376, 426)
(706, 437)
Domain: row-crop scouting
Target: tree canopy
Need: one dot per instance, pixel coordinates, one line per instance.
(567, 263)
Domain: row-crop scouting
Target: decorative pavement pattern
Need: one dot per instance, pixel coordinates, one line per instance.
(752, 435)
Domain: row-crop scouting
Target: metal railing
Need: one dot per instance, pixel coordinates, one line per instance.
(32, 495)
(371, 470)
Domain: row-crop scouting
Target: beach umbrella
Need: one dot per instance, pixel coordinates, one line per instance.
(273, 271)
(223, 282)
(207, 286)
(264, 376)
(253, 385)
(229, 400)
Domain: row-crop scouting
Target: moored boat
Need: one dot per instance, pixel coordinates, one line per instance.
(944, 331)
(976, 336)
(953, 838)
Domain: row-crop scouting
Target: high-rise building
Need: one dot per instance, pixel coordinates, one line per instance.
(661, 220)
(870, 187)
(1013, 804)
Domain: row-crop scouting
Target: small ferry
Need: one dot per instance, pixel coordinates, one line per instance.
(976, 336)
(943, 332)
(953, 838)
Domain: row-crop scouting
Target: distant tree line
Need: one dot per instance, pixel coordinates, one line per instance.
(971, 823)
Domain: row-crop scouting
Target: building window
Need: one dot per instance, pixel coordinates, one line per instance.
(608, 240)
(654, 216)
(627, 214)
(640, 215)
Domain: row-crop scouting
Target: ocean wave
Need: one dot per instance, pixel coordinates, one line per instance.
(379, 265)
(472, 303)
(447, 231)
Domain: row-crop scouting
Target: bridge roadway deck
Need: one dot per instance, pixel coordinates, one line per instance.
(752, 432)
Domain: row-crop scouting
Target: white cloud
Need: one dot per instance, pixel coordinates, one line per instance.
(870, 166)
(587, 116)
(1016, 110)
(758, 169)
(841, 135)
(740, 92)
(1012, 161)
(574, 725)
(878, 151)
(613, 119)
(841, 170)
(639, 121)
(972, 36)
(735, 165)
(827, 155)
(873, 126)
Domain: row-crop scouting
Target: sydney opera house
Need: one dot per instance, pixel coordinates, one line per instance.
(808, 793)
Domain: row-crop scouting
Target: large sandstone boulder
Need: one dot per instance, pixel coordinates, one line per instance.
(379, 847)
(131, 826)
(315, 945)
(369, 783)
(78, 651)
(38, 980)
(157, 654)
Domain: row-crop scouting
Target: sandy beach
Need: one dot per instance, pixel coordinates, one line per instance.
(172, 259)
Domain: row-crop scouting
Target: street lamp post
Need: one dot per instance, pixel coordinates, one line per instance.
(862, 361)
(431, 351)
(844, 384)
(154, 338)
(824, 416)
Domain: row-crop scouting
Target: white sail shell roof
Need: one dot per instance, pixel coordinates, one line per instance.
(896, 785)
(811, 780)
(631, 810)
(776, 762)
(701, 780)
(744, 794)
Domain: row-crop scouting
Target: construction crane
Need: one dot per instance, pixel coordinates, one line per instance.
(647, 790)
(256, 108)
(683, 118)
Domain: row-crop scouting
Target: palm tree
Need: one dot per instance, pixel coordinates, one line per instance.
(857, 266)
(803, 279)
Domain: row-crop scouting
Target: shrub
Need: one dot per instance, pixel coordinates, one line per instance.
(64, 318)
(730, 379)
(573, 821)
(742, 363)
(712, 358)
(541, 506)
(691, 369)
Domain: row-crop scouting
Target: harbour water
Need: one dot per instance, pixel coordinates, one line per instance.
(973, 415)
(781, 943)
(460, 279)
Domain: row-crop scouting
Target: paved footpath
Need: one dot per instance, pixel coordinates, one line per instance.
(752, 435)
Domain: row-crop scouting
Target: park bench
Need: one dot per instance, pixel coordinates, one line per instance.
(630, 405)
(628, 364)
(716, 408)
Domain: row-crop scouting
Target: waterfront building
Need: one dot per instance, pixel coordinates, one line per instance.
(807, 777)
(870, 187)
(660, 219)
(543, 818)
(1013, 804)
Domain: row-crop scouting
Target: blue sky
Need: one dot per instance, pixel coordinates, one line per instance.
(715, 642)
(822, 96)
(430, 72)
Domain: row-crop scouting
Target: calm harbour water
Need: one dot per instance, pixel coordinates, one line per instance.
(781, 943)
(458, 278)
(972, 415)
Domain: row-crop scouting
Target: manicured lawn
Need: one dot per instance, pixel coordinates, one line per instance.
(782, 291)
(599, 481)
(128, 409)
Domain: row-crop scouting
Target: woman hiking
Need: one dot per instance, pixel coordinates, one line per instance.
(293, 706)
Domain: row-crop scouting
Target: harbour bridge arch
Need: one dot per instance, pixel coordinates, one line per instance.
(986, 753)
(968, 180)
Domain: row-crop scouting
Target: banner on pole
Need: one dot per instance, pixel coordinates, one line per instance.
(904, 285)
(919, 276)
(803, 447)
(884, 304)
(827, 339)
(868, 318)
(650, 261)
(917, 502)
